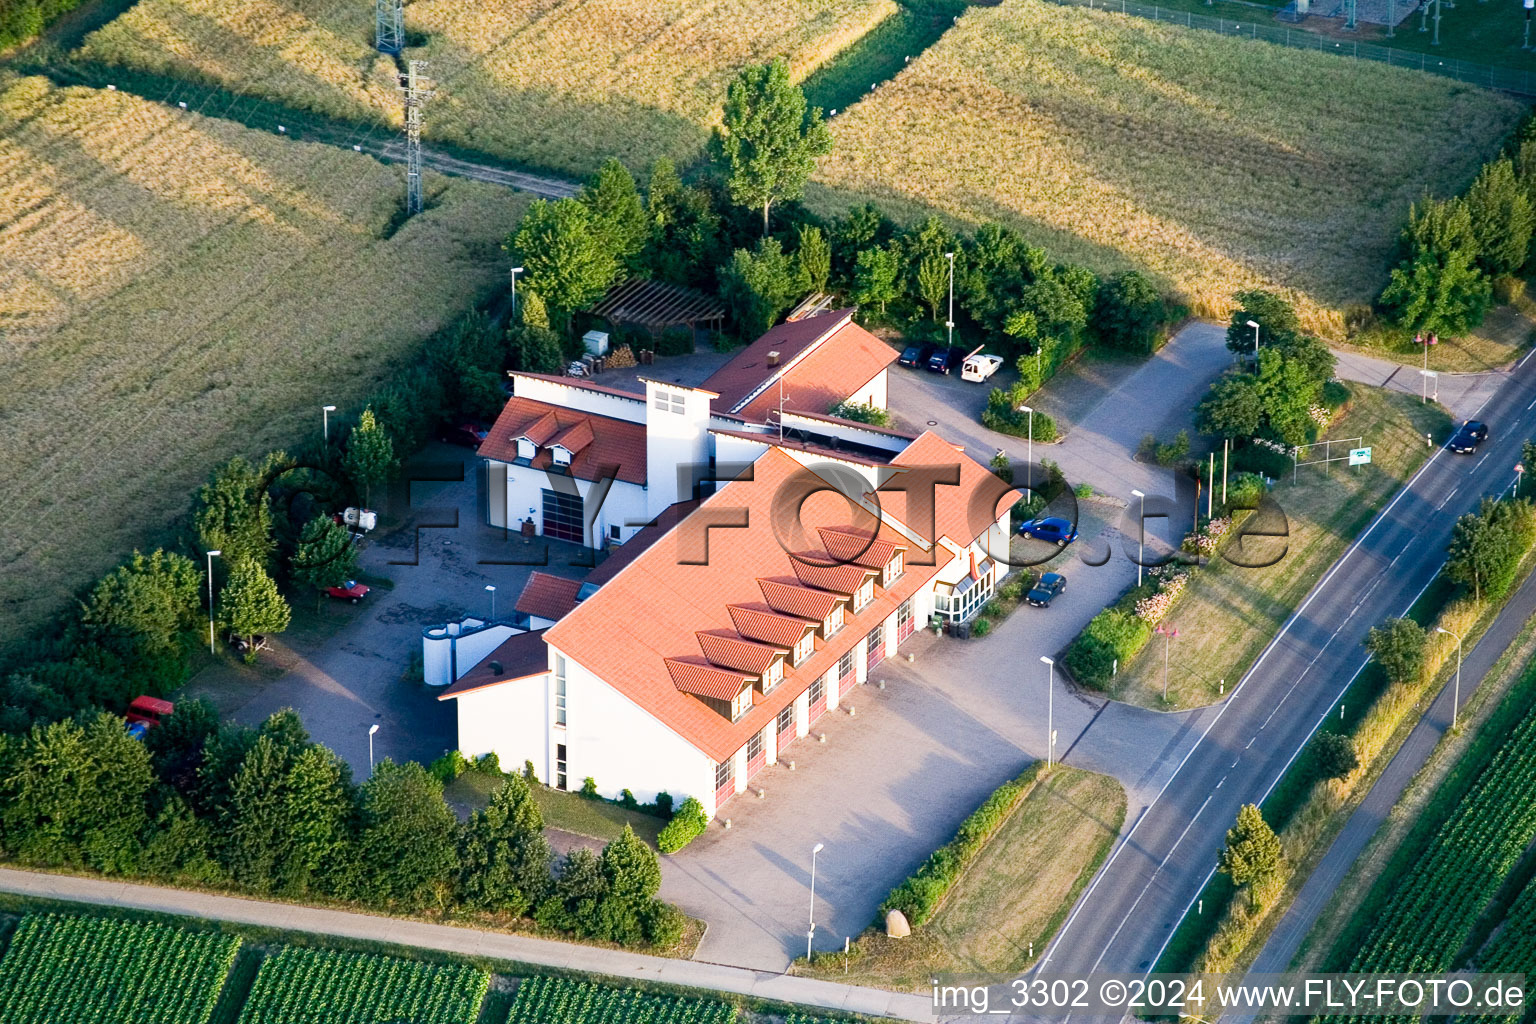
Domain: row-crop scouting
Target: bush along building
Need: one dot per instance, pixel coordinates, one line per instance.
(765, 565)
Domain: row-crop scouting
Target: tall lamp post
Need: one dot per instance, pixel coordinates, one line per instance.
(949, 322)
(515, 272)
(371, 730)
(211, 649)
(325, 421)
(1456, 693)
(1141, 533)
(492, 591)
(811, 931)
(1255, 325)
(1029, 469)
(1050, 724)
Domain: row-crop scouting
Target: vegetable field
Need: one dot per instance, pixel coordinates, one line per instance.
(1513, 949)
(91, 970)
(177, 289)
(306, 986)
(1211, 162)
(558, 84)
(1439, 899)
(560, 1001)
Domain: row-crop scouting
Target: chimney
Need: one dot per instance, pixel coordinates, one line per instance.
(773, 359)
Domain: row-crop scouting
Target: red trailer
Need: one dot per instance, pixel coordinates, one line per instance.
(146, 712)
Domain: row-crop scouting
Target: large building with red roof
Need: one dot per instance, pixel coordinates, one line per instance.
(690, 661)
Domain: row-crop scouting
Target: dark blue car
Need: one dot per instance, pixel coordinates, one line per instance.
(1049, 528)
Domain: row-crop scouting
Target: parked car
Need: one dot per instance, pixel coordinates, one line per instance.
(916, 356)
(467, 434)
(360, 520)
(1468, 436)
(1045, 591)
(245, 644)
(945, 359)
(349, 591)
(146, 712)
(979, 367)
(1049, 528)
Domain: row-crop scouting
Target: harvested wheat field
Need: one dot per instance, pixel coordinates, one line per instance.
(556, 84)
(1215, 163)
(175, 290)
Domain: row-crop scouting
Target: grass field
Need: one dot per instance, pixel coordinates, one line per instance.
(1010, 902)
(1213, 163)
(556, 84)
(175, 290)
(92, 970)
(1227, 614)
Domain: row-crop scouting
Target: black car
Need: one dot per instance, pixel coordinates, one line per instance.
(945, 359)
(1045, 591)
(1468, 436)
(916, 355)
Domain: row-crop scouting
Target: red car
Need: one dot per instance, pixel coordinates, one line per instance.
(349, 591)
(467, 434)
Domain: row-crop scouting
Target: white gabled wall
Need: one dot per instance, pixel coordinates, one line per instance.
(624, 505)
(509, 719)
(677, 443)
(873, 392)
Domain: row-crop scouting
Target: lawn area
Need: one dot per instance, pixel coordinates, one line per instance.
(569, 812)
(1005, 909)
(1504, 336)
(1227, 614)
(175, 290)
(555, 84)
(1211, 162)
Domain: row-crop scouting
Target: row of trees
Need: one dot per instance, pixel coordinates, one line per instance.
(268, 811)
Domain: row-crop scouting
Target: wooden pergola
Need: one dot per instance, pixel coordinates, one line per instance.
(656, 306)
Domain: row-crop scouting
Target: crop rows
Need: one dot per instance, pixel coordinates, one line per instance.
(90, 970)
(321, 986)
(558, 1001)
(1513, 950)
(1438, 901)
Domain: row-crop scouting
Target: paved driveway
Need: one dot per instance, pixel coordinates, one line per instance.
(1464, 394)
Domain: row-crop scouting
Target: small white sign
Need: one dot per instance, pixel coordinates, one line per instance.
(1434, 373)
(1359, 456)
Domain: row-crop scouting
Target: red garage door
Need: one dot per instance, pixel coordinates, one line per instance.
(725, 781)
(904, 623)
(786, 727)
(846, 674)
(757, 754)
(818, 698)
(875, 645)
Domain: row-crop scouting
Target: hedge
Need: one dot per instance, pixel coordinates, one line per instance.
(1002, 416)
(920, 895)
(20, 20)
(1115, 634)
(686, 825)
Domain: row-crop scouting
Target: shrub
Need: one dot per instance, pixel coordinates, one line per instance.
(1112, 635)
(1083, 490)
(449, 767)
(530, 773)
(589, 789)
(860, 412)
(1172, 452)
(919, 896)
(1334, 755)
(686, 825)
(1003, 416)
(675, 341)
(1244, 490)
(981, 627)
(1132, 313)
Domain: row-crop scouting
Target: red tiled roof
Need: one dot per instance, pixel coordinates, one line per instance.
(617, 447)
(842, 579)
(574, 438)
(697, 676)
(647, 617)
(730, 650)
(849, 358)
(749, 368)
(548, 597)
(518, 657)
(791, 598)
(857, 547)
(643, 539)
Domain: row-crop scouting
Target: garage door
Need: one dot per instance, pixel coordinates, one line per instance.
(563, 516)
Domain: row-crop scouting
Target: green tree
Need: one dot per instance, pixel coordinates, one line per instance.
(325, 556)
(860, 412)
(1334, 756)
(318, 801)
(531, 311)
(581, 888)
(618, 216)
(1132, 313)
(147, 612)
(535, 349)
(370, 455)
(74, 794)
(231, 512)
(1287, 391)
(406, 843)
(633, 875)
(250, 604)
(1252, 853)
(770, 140)
(1478, 550)
(932, 279)
(758, 286)
(1276, 318)
(874, 277)
(1232, 407)
(1437, 286)
(566, 254)
(1398, 647)
(863, 227)
(504, 859)
(813, 258)
(684, 240)
(1502, 218)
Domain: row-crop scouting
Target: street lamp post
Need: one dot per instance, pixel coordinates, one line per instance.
(325, 421)
(492, 591)
(1050, 725)
(1255, 325)
(515, 272)
(1029, 468)
(1141, 533)
(211, 649)
(949, 322)
(371, 730)
(811, 931)
(1456, 693)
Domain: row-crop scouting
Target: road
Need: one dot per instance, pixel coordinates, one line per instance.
(1238, 750)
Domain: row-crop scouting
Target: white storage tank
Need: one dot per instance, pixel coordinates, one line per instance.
(595, 343)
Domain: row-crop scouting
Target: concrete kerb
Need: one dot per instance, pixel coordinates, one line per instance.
(615, 964)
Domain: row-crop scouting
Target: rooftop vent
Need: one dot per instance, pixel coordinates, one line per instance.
(773, 358)
(496, 668)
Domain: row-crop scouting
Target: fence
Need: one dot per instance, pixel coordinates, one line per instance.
(1522, 83)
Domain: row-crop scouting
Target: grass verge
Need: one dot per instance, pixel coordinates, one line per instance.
(568, 812)
(999, 916)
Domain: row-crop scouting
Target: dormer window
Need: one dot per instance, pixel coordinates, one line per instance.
(561, 455)
(743, 702)
(893, 570)
(526, 450)
(834, 620)
(773, 675)
(806, 647)
(865, 595)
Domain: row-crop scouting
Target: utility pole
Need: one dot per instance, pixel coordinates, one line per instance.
(389, 25)
(414, 83)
